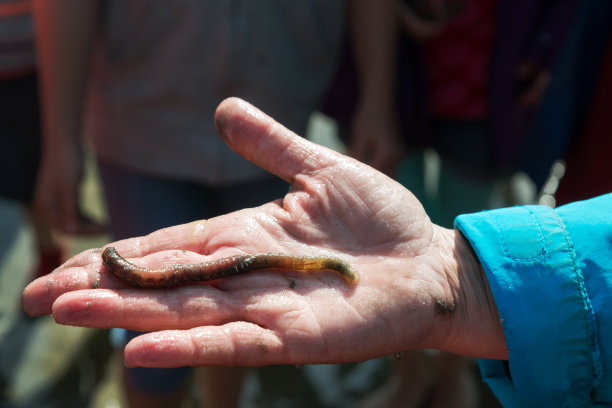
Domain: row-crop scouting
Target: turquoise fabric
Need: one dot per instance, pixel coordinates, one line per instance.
(550, 272)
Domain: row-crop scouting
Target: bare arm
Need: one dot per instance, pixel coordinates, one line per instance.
(375, 135)
(65, 35)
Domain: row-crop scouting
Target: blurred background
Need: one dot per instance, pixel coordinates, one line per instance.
(106, 120)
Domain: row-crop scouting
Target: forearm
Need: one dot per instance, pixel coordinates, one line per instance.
(373, 31)
(375, 136)
(65, 35)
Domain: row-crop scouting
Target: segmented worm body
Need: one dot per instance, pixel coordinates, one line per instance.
(221, 268)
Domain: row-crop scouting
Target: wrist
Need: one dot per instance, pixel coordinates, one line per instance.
(474, 327)
(62, 147)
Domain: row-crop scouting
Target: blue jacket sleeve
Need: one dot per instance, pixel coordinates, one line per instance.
(550, 272)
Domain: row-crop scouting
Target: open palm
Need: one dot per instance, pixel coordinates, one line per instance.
(410, 293)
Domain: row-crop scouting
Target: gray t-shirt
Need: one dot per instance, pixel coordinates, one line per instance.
(161, 68)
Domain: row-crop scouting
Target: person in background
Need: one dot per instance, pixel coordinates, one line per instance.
(20, 125)
(588, 168)
(141, 79)
(484, 75)
(468, 80)
(572, 123)
(475, 289)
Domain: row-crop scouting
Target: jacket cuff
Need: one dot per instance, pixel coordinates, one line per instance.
(546, 314)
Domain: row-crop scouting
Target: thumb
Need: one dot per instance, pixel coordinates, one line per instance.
(265, 142)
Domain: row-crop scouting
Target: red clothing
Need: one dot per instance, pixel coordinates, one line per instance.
(457, 63)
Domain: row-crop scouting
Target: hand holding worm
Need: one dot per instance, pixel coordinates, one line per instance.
(417, 281)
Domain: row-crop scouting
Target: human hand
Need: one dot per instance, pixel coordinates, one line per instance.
(533, 83)
(423, 20)
(419, 284)
(57, 187)
(375, 138)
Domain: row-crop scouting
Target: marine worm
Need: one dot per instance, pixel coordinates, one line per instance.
(179, 274)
